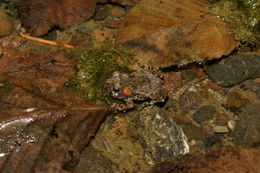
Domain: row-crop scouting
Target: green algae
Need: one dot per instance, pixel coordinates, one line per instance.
(94, 67)
(243, 16)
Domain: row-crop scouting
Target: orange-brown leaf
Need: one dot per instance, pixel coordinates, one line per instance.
(167, 32)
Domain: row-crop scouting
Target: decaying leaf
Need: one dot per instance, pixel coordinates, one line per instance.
(167, 32)
(43, 125)
(39, 16)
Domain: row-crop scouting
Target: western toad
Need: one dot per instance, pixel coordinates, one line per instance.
(144, 86)
(136, 86)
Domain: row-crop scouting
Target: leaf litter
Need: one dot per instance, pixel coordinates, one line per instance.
(45, 126)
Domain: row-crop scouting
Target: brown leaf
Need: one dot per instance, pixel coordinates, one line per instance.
(166, 32)
(43, 126)
(39, 16)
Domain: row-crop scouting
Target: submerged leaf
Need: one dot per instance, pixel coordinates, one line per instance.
(165, 32)
(43, 125)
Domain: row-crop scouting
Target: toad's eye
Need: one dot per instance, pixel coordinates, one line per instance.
(127, 92)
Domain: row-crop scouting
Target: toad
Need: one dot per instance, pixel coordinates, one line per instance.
(143, 86)
(146, 87)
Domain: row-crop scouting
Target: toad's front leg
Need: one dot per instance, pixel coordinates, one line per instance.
(129, 104)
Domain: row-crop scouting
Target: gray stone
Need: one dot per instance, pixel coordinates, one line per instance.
(235, 70)
(204, 113)
(92, 161)
(254, 87)
(247, 129)
(160, 136)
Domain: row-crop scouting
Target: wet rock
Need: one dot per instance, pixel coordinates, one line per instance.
(234, 70)
(92, 161)
(247, 129)
(208, 130)
(204, 113)
(188, 75)
(254, 87)
(193, 132)
(209, 141)
(101, 12)
(160, 136)
(117, 140)
(236, 100)
(221, 119)
(6, 25)
(231, 125)
(220, 129)
(189, 101)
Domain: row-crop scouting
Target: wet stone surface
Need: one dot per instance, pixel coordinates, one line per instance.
(193, 132)
(220, 129)
(254, 87)
(234, 70)
(234, 99)
(92, 161)
(101, 12)
(189, 101)
(247, 129)
(204, 113)
(161, 137)
(209, 141)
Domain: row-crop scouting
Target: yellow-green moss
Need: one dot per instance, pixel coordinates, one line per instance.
(243, 16)
(94, 67)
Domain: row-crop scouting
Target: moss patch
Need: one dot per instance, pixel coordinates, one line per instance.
(94, 67)
(243, 17)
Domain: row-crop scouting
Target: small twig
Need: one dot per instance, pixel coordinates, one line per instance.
(45, 41)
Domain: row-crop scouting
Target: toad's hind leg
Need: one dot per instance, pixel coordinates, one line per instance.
(177, 95)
